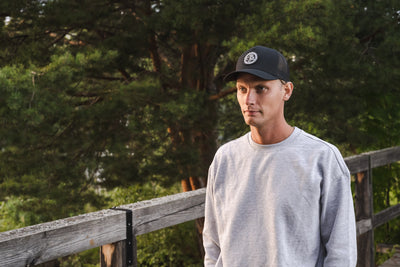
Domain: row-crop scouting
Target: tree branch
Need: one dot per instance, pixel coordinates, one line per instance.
(369, 37)
(222, 94)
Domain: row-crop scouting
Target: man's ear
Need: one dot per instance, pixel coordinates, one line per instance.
(288, 88)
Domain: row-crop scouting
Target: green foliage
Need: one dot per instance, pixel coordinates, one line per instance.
(174, 246)
(231, 122)
(97, 97)
(386, 189)
(13, 214)
(88, 258)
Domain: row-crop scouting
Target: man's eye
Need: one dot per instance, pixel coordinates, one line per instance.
(242, 89)
(261, 89)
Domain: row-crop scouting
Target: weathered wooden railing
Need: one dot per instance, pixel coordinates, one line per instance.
(48, 241)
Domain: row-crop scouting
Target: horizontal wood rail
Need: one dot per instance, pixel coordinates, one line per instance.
(44, 242)
(48, 241)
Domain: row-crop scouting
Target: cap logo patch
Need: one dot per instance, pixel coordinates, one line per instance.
(250, 58)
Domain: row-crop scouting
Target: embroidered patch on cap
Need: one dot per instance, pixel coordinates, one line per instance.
(250, 58)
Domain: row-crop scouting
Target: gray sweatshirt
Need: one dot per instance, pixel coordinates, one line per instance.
(285, 204)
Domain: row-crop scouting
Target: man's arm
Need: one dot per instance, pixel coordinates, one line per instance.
(210, 231)
(338, 227)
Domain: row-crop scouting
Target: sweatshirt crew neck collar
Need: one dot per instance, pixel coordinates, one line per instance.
(288, 140)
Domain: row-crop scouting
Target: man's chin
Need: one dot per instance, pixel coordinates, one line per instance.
(251, 122)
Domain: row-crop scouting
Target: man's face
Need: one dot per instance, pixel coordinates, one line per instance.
(261, 101)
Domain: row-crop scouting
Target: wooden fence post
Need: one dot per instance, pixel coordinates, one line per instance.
(364, 210)
(114, 255)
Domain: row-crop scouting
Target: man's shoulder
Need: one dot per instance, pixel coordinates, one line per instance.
(312, 141)
(322, 149)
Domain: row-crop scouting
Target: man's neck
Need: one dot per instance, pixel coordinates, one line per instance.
(271, 135)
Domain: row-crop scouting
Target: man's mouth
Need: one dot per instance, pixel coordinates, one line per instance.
(251, 112)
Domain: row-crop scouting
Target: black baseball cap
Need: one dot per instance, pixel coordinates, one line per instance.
(263, 62)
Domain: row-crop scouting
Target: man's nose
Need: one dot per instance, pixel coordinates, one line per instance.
(250, 97)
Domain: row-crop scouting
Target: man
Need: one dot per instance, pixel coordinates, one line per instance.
(276, 196)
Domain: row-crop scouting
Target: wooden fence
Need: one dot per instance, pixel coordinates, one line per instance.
(116, 229)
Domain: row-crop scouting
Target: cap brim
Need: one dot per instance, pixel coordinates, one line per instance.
(261, 74)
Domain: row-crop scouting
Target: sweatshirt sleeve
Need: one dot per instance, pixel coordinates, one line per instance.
(338, 227)
(210, 231)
